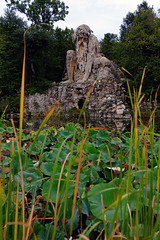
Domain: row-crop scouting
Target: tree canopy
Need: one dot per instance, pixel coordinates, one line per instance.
(45, 60)
(108, 45)
(11, 53)
(129, 19)
(40, 11)
(137, 47)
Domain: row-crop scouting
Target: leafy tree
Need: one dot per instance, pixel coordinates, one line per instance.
(141, 46)
(45, 60)
(138, 46)
(40, 11)
(108, 45)
(129, 19)
(11, 53)
(46, 54)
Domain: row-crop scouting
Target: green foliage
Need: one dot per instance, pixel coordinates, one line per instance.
(137, 47)
(112, 181)
(108, 45)
(11, 55)
(45, 61)
(129, 19)
(40, 11)
(11, 52)
(142, 49)
(46, 53)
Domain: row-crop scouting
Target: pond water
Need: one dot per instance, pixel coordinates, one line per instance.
(122, 125)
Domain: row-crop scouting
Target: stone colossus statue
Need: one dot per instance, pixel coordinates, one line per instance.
(86, 62)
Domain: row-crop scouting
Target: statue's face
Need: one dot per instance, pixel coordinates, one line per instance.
(82, 40)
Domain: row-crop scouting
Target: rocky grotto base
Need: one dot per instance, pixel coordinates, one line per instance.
(85, 66)
(107, 99)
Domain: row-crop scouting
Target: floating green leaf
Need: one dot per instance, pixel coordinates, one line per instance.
(109, 193)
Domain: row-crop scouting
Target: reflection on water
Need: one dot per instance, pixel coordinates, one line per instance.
(122, 125)
(145, 120)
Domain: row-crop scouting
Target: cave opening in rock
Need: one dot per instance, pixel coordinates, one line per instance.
(80, 103)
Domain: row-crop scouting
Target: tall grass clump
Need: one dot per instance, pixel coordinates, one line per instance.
(79, 182)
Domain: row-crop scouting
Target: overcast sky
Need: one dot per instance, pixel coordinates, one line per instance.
(102, 16)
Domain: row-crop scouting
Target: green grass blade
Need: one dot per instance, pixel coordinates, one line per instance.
(77, 182)
(3, 113)
(42, 124)
(86, 100)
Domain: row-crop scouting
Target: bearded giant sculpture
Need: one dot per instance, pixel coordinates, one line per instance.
(86, 62)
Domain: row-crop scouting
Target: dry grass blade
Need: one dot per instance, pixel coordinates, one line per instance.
(30, 222)
(48, 116)
(112, 179)
(18, 223)
(102, 203)
(21, 127)
(104, 217)
(153, 213)
(110, 161)
(16, 214)
(87, 165)
(149, 121)
(22, 88)
(130, 215)
(157, 92)
(97, 128)
(146, 185)
(129, 90)
(117, 128)
(59, 181)
(23, 191)
(126, 72)
(99, 158)
(43, 123)
(140, 100)
(77, 180)
(100, 233)
(78, 173)
(83, 236)
(54, 210)
(140, 88)
(113, 233)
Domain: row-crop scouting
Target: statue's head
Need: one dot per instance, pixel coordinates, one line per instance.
(82, 34)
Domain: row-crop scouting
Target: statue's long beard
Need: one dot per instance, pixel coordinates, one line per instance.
(81, 55)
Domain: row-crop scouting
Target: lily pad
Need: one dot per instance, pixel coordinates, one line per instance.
(9, 130)
(109, 193)
(53, 194)
(32, 179)
(47, 169)
(26, 162)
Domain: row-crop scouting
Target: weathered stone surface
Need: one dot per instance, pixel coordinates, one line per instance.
(86, 62)
(84, 66)
(105, 101)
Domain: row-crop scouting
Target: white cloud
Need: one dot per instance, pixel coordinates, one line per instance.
(102, 16)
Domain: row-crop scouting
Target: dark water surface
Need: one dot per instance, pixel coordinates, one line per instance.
(122, 125)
